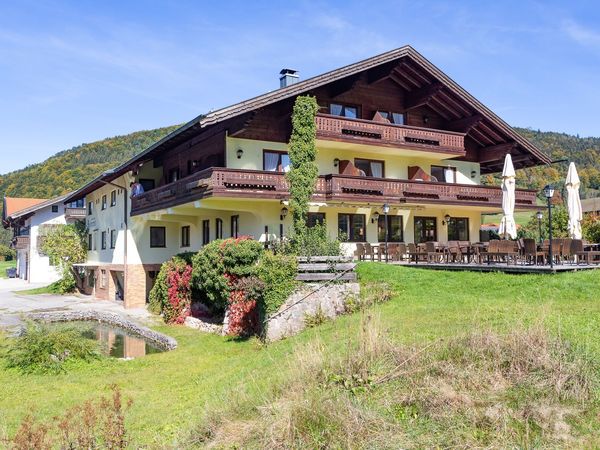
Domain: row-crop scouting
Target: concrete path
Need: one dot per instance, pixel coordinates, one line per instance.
(14, 305)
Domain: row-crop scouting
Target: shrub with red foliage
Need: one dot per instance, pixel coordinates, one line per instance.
(243, 311)
(179, 292)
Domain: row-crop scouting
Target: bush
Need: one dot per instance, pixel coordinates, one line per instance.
(65, 245)
(243, 310)
(314, 241)
(220, 264)
(590, 228)
(43, 349)
(171, 294)
(278, 273)
(90, 425)
(7, 253)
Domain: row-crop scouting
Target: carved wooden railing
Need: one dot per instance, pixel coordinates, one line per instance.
(75, 213)
(21, 243)
(376, 133)
(223, 182)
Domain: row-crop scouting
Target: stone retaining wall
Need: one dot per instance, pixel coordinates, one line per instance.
(290, 319)
(161, 340)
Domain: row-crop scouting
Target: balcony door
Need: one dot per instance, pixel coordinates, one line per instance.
(425, 229)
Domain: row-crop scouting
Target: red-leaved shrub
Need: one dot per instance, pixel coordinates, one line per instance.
(243, 311)
(179, 294)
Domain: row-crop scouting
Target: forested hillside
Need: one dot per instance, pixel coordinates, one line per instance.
(585, 152)
(70, 169)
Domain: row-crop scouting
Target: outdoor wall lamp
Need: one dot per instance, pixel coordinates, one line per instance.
(239, 153)
(425, 118)
(336, 162)
(283, 213)
(473, 173)
(549, 193)
(375, 217)
(446, 219)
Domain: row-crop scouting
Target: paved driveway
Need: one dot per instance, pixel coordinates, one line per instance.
(14, 305)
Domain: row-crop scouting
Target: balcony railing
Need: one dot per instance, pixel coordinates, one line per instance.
(75, 213)
(389, 135)
(224, 182)
(21, 243)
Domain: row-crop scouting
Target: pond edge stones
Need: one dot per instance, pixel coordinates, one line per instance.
(161, 340)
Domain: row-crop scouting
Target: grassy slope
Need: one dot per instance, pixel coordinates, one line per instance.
(6, 265)
(171, 389)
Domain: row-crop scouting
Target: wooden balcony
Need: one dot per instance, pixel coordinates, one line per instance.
(21, 243)
(255, 184)
(75, 213)
(368, 132)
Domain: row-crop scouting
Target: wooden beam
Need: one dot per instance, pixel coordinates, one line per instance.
(495, 152)
(400, 70)
(465, 124)
(396, 79)
(421, 96)
(380, 73)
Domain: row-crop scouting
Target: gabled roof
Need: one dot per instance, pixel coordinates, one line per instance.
(15, 204)
(15, 208)
(450, 87)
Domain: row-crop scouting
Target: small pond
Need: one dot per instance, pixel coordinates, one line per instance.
(115, 342)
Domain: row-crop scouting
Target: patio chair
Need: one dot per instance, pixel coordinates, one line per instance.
(402, 252)
(589, 256)
(369, 251)
(359, 253)
(415, 254)
(433, 253)
(392, 251)
(531, 252)
(490, 254)
(453, 252)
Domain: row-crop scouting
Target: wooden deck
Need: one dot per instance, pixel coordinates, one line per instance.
(500, 267)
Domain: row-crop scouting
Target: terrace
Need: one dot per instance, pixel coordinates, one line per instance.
(225, 182)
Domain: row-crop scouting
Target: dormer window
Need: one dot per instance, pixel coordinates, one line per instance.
(337, 109)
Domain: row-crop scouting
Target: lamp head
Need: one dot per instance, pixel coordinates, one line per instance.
(549, 191)
(239, 153)
(386, 208)
(539, 215)
(375, 217)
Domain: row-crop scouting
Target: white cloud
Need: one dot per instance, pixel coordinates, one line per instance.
(581, 34)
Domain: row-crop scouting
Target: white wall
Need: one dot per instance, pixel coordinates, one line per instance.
(40, 270)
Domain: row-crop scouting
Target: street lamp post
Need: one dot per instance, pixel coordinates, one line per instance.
(549, 193)
(386, 210)
(540, 216)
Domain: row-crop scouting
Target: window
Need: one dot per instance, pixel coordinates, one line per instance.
(218, 229)
(235, 226)
(275, 161)
(425, 229)
(147, 183)
(458, 229)
(90, 208)
(393, 117)
(206, 232)
(173, 175)
(371, 168)
(444, 174)
(395, 229)
(158, 237)
(315, 218)
(113, 198)
(352, 227)
(90, 241)
(185, 236)
(336, 109)
(104, 201)
(54, 208)
(113, 238)
(103, 240)
(77, 203)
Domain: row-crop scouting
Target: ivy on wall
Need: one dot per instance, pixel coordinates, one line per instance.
(302, 176)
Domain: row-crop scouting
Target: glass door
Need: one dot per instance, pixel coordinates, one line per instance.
(425, 229)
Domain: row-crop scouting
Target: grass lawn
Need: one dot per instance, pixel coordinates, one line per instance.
(170, 390)
(6, 265)
(521, 217)
(50, 289)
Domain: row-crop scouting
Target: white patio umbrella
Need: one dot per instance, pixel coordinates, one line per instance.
(508, 227)
(573, 202)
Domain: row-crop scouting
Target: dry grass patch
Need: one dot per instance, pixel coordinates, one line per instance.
(483, 389)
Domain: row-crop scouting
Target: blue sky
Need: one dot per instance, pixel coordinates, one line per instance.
(73, 72)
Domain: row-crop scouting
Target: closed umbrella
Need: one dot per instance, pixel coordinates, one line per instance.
(508, 227)
(573, 202)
